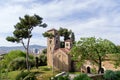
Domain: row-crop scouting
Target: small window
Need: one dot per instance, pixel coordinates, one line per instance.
(56, 41)
(56, 33)
(59, 56)
(88, 70)
(50, 41)
(70, 44)
(67, 44)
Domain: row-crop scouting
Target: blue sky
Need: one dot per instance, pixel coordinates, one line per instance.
(86, 18)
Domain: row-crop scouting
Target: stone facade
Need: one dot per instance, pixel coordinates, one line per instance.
(52, 45)
(62, 60)
(56, 55)
(106, 65)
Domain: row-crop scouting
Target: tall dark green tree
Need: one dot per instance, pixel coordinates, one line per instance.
(65, 33)
(117, 57)
(92, 49)
(44, 51)
(23, 31)
(50, 35)
(118, 46)
(72, 37)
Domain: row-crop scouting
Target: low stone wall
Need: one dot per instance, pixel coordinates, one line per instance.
(96, 76)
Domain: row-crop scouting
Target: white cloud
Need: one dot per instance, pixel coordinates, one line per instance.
(57, 9)
(21, 1)
(101, 17)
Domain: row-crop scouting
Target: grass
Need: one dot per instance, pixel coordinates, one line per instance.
(13, 74)
(43, 73)
(9, 75)
(74, 72)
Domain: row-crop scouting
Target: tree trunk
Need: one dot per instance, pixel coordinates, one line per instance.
(100, 66)
(27, 53)
(27, 59)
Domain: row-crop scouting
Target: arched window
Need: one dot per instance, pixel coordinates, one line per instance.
(50, 41)
(102, 70)
(67, 44)
(59, 56)
(88, 70)
(56, 41)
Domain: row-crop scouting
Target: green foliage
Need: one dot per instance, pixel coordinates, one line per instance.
(117, 57)
(0, 72)
(44, 51)
(10, 56)
(118, 74)
(82, 77)
(111, 75)
(3, 74)
(42, 60)
(21, 75)
(62, 44)
(23, 31)
(117, 60)
(31, 57)
(14, 54)
(15, 60)
(19, 64)
(61, 78)
(65, 33)
(72, 37)
(92, 49)
(26, 76)
(118, 48)
(93, 70)
(50, 35)
(30, 76)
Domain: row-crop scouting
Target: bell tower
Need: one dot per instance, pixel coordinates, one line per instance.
(52, 45)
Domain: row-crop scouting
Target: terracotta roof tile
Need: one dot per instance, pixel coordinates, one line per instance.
(65, 50)
(69, 40)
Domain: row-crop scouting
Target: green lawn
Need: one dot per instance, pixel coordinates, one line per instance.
(13, 74)
(74, 72)
(43, 73)
(9, 75)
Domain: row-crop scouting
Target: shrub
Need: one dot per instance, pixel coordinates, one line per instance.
(21, 75)
(42, 60)
(82, 77)
(93, 71)
(118, 75)
(11, 56)
(19, 64)
(110, 75)
(45, 69)
(26, 76)
(30, 76)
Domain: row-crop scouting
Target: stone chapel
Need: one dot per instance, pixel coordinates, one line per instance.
(61, 58)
